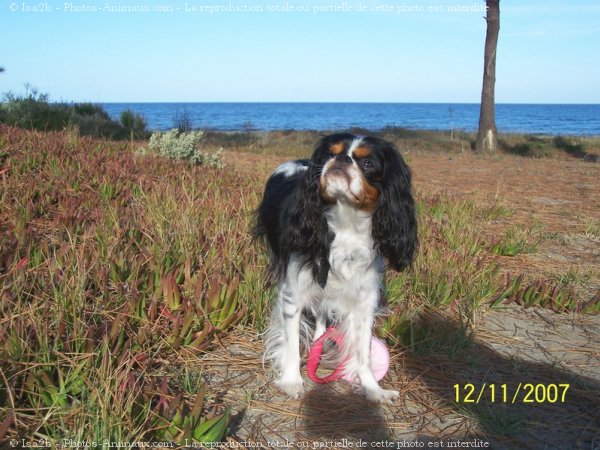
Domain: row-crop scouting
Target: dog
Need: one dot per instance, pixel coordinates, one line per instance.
(333, 224)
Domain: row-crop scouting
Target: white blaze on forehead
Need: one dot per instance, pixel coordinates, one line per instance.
(289, 169)
(355, 184)
(355, 144)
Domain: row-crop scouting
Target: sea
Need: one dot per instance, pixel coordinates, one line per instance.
(544, 119)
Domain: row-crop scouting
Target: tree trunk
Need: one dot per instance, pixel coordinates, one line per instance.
(487, 136)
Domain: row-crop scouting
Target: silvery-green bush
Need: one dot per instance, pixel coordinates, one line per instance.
(177, 145)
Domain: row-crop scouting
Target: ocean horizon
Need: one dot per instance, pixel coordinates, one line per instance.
(545, 119)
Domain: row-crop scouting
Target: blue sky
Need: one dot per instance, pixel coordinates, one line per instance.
(388, 51)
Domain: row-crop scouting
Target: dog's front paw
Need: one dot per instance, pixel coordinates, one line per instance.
(292, 388)
(381, 395)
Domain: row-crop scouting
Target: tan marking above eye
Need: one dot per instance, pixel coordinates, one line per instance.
(336, 148)
(361, 152)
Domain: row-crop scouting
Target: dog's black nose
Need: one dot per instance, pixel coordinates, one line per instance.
(343, 158)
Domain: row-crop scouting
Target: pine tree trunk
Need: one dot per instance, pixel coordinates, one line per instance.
(487, 136)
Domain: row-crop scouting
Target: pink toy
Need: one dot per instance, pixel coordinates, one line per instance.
(380, 359)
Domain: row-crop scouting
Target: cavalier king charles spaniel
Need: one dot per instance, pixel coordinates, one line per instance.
(333, 224)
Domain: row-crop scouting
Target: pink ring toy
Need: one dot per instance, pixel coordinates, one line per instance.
(380, 359)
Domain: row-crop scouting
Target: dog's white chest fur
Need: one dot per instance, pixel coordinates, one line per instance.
(355, 266)
(350, 255)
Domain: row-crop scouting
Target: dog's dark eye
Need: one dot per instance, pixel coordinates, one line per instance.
(365, 164)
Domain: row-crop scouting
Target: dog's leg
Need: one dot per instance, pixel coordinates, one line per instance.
(320, 325)
(363, 324)
(285, 335)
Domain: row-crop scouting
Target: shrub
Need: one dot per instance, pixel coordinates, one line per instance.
(89, 109)
(574, 148)
(135, 124)
(530, 147)
(33, 110)
(183, 122)
(96, 126)
(176, 145)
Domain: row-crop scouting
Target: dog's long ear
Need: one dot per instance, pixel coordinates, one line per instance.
(306, 227)
(394, 226)
(305, 230)
(304, 216)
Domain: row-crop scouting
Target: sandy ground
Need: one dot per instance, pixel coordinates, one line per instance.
(533, 375)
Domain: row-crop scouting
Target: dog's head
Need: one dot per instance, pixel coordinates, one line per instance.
(369, 174)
